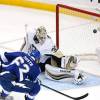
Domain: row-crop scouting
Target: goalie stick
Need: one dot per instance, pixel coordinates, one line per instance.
(74, 98)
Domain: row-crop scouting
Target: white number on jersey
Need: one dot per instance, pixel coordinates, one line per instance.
(22, 69)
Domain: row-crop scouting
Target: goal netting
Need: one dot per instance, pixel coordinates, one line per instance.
(77, 31)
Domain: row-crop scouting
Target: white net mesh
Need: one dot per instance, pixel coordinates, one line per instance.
(78, 36)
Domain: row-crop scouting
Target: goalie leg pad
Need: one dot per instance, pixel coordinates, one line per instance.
(57, 74)
(62, 75)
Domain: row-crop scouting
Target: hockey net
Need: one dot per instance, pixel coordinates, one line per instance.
(77, 31)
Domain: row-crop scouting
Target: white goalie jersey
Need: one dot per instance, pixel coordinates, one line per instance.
(31, 42)
(43, 43)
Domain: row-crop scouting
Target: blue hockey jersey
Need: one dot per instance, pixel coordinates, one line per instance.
(21, 65)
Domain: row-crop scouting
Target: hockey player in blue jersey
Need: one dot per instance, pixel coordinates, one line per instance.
(19, 67)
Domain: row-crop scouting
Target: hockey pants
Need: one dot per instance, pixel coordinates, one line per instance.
(29, 88)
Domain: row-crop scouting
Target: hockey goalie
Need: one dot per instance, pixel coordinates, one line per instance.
(55, 65)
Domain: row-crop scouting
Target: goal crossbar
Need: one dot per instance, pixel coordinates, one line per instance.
(73, 12)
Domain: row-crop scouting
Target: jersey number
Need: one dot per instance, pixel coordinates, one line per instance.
(23, 69)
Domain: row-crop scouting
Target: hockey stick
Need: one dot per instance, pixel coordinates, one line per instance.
(74, 98)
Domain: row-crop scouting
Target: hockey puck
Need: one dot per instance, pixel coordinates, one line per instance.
(94, 31)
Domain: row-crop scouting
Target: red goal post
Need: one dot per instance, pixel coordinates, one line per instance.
(75, 12)
(68, 10)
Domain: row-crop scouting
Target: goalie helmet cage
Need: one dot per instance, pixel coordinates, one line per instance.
(76, 12)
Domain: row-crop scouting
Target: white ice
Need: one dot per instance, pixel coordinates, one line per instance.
(12, 31)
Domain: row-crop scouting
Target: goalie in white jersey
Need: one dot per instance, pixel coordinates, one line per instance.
(50, 55)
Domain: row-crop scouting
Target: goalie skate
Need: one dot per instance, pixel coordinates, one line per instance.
(79, 77)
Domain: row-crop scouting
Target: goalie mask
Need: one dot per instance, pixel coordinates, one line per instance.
(41, 34)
